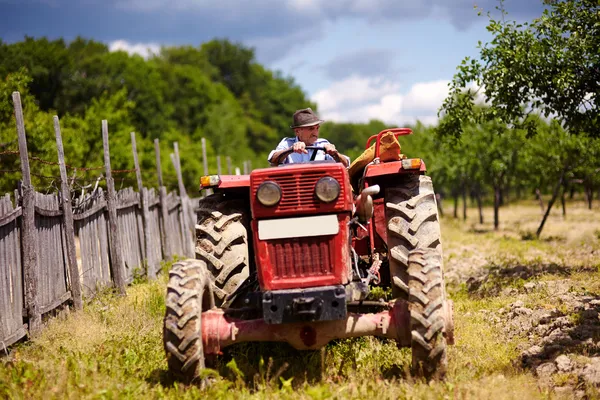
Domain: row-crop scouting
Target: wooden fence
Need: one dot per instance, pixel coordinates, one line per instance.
(55, 250)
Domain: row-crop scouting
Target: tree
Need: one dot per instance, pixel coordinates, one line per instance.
(39, 131)
(552, 155)
(46, 62)
(233, 62)
(550, 65)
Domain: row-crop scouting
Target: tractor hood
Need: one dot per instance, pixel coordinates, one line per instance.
(299, 190)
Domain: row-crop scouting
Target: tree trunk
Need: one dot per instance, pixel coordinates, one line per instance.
(438, 198)
(455, 197)
(497, 199)
(562, 202)
(538, 194)
(589, 194)
(464, 196)
(479, 207)
(563, 197)
(551, 203)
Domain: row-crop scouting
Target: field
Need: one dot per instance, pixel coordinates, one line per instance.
(503, 284)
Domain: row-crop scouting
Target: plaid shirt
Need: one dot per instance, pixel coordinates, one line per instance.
(301, 157)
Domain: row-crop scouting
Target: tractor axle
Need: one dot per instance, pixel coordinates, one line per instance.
(220, 331)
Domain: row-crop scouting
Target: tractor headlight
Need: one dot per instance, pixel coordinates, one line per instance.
(327, 189)
(268, 193)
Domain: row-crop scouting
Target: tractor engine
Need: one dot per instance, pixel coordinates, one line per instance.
(302, 244)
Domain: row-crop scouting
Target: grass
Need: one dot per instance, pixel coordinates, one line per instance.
(113, 348)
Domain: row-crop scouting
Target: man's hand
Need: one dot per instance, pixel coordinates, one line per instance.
(299, 147)
(331, 150)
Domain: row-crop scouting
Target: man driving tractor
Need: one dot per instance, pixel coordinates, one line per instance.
(306, 126)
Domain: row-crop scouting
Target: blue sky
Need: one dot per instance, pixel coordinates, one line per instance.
(358, 59)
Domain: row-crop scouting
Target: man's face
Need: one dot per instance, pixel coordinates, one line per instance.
(308, 134)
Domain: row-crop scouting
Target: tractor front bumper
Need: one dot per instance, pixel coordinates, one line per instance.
(326, 303)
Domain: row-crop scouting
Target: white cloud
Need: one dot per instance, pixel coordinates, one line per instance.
(143, 49)
(354, 90)
(425, 95)
(360, 99)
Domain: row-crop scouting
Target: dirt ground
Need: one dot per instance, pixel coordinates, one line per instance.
(551, 286)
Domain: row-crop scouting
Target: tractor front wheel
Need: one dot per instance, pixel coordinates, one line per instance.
(222, 242)
(189, 293)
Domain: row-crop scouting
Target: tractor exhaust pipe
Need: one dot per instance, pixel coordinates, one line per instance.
(364, 203)
(219, 331)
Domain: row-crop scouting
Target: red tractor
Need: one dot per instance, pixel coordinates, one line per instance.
(291, 253)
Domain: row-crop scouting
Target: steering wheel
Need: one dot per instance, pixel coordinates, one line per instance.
(290, 150)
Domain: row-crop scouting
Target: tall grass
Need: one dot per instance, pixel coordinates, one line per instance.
(113, 348)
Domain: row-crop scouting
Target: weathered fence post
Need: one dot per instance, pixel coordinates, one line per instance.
(228, 159)
(245, 167)
(151, 262)
(164, 212)
(116, 257)
(218, 165)
(204, 159)
(209, 191)
(28, 230)
(69, 224)
(188, 245)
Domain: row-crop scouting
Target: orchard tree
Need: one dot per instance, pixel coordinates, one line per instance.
(550, 65)
(552, 156)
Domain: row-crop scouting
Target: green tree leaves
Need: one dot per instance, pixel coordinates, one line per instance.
(216, 91)
(548, 66)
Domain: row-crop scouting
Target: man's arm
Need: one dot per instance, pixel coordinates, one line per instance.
(298, 147)
(274, 156)
(337, 156)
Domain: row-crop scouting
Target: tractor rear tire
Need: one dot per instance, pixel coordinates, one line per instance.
(189, 293)
(222, 242)
(430, 314)
(412, 222)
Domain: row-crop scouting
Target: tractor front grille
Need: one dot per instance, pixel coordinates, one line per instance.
(298, 190)
(302, 257)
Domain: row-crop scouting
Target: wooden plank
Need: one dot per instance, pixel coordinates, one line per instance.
(173, 203)
(11, 301)
(228, 159)
(127, 204)
(164, 212)
(55, 303)
(151, 262)
(155, 235)
(28, 231)
(14, 337)
(103, 243)
(11, 216)
(153, 202)
(99, 206)
(117, 267)
(46, 212)
(14, 267)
